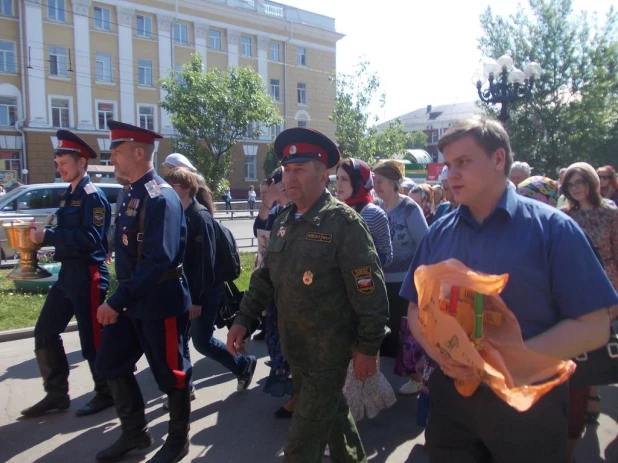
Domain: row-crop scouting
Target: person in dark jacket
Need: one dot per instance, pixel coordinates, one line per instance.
(80, 240)
(200, 267)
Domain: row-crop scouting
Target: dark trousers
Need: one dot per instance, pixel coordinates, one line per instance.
(202, 329)
(397, 307)
(322, 416)
(161, 340)
(79, 291)
(485, 429)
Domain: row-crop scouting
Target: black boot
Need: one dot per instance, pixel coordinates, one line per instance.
(131, 411)
(176, 445)
(55, 373)
(102, 398)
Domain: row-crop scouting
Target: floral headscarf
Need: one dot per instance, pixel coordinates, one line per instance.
(540, 188)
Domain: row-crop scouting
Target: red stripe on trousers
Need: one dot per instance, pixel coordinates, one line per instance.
(95, 302)
(171, 352)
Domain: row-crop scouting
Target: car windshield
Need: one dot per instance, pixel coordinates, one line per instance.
(7, 198)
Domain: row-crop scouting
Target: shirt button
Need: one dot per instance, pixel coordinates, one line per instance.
(124, 204)
(124, 310)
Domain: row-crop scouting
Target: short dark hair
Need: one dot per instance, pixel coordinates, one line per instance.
(488, 133)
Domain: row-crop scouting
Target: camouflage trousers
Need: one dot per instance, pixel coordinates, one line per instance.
(322, 416)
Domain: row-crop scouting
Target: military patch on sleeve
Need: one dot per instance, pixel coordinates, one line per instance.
(364, 280)
(321, 237)
(153, 189)
(98, 216)
(89, 188)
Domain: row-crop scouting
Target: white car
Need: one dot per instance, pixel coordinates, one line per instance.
(39, 200)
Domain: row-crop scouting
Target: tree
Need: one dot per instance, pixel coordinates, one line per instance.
(212, 111)
(416, 140)
(392, 141)
(270, 162)
(573, 110)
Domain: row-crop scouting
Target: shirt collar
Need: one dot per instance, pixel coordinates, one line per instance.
(507, 204)
(80, 186)
(148, 176)
(316, 212)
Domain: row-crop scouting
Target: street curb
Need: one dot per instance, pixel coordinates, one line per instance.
(23, 333)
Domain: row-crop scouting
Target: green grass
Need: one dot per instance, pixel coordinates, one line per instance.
(21, 310)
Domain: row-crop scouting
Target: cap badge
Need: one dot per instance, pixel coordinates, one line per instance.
(60, 144)
(293, 149)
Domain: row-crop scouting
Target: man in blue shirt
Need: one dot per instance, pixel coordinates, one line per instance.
(557, 290)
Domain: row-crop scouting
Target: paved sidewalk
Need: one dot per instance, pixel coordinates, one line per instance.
(227, 427)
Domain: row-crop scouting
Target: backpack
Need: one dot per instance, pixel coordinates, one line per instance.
(229, 307)
(227, 260)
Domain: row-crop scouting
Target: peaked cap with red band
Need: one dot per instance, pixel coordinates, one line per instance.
(121, 132)
(300, 144)
(68, 142)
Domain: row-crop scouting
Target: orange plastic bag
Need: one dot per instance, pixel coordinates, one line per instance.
(518, 375)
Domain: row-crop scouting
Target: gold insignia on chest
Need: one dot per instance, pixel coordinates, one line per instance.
(125, 239)
(308, 277)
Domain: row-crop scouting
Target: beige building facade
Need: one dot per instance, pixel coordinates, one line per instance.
(76, 64)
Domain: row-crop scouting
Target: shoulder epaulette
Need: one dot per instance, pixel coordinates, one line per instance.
(89, 188)
(153, 188)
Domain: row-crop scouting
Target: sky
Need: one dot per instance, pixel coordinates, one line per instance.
(424, 52)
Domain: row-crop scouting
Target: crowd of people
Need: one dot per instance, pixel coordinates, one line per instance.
(333, 288)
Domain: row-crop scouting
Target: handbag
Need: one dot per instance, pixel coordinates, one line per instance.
(599, 367)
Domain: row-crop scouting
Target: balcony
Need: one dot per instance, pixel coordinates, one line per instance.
(278, 10)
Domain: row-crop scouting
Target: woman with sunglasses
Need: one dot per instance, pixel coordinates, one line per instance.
(609, 183)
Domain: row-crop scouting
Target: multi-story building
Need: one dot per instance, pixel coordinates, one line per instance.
(76, 64)
(434, 120)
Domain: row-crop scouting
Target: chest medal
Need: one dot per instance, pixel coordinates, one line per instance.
(308, 277)
(281, 232)
(125, 239)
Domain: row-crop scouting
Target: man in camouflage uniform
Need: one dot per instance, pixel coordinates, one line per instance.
(322, 270)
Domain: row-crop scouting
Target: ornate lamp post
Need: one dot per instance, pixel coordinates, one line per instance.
(506, 83)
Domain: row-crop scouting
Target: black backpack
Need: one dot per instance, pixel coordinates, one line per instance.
(227, 261)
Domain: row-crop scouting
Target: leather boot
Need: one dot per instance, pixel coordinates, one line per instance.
(131, 411)
(176, 446)
(55, 373)
(102, 396)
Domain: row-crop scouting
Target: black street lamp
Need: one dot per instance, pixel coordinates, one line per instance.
(506, 83)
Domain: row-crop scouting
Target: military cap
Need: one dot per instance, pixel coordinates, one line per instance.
(68, 142)
(121, 132)
(300, 144)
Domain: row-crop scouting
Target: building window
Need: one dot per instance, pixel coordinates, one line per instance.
(58, 61)
(144, 71)
(250, 167)
(104, 67)
(105, 113)
(144, 26)
(275, 89)
(181, 34)
(215, 39)
(274, 130)
(10, 161)
(301, 93)
(434, 137)
(7, 57)
(102, 18)
(146, 116)
(247, 46)
(55, 10)
(275, 52)
(301, 56)
(61, 112)
(6, 7)
(302, 123)
(8, 111)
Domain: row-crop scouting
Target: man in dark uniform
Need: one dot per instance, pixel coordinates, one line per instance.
(149, 312)
(80, 239)
(323, 272)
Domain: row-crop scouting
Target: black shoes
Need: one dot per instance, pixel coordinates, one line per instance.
(48, 404)
(54, 370)
(245, 379)
(283, 413)
(125, 444)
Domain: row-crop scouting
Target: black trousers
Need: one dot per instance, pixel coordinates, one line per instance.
(485, 429)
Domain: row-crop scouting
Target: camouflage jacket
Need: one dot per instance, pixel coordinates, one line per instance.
(323, 272)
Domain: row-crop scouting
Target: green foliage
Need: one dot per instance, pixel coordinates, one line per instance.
(416, 140)
(572, 114)
(211, 111)
(270, 162)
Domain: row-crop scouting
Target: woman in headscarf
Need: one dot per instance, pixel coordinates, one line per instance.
(423, 196)
(354, 185)
(407, 226)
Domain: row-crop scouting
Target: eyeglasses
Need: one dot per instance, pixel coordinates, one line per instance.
(577, 183)
(605, 177)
